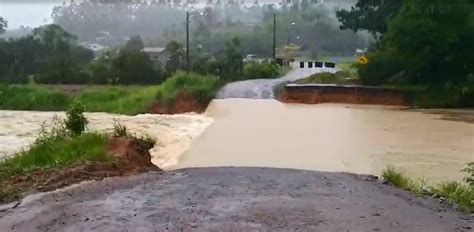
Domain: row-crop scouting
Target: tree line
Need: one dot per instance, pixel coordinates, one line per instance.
(419, 42)
(51, 55)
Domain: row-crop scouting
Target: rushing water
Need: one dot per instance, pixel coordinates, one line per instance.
(333, 137)
(267, 133)
(173, 133)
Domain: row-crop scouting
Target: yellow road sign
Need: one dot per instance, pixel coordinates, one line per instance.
(363, 60)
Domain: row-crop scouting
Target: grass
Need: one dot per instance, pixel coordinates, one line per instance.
(328, 78)
(431, 97)
(56, 153)
(121, 101)
(32, 97)
(203, 87)
(130, 101)
(111, 99)
(348, 67)
(454, 192)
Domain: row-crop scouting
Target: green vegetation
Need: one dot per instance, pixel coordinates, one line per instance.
(470, 174)
(130, 101)
(425, 43)
(75, 121)
(201, 87)
(120, 130)
(340, 77)
(32, 97)
(454, 192)
(441, 97)
(55, 152)
(254, 70)
(62, 145)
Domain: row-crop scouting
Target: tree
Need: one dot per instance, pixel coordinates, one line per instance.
(370, 15)
(3, 25)
(135, 43)
(428, 42)
(175, 60)
(135, 67)
(230, 63)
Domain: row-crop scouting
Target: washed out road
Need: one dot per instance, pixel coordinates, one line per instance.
(233, 199)
(271, 199)
(264, 88)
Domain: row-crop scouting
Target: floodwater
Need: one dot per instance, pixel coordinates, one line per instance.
(267, 133)
(174, 133)
(333, 137)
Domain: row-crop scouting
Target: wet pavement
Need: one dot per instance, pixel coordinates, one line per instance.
(264, 88)
(233, 199)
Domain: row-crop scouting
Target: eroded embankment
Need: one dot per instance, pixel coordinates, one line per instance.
(327, 93)
(130, 156)
(173, 133)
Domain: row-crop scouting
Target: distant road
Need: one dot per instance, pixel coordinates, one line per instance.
(263, 88)
(234, 199)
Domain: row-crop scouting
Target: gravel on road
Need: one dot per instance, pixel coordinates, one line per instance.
(233, 199)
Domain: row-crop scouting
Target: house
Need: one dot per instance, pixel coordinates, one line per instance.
(93, 46)
(157, 54)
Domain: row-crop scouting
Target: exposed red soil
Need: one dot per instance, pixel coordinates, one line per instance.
(184, 103)
(351, 96)
(132, 157)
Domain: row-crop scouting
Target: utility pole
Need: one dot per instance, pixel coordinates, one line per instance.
(274, 35)
(187, 42)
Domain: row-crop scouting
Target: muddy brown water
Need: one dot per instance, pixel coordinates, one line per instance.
(173, 133)
(266, 133)
(333, 137)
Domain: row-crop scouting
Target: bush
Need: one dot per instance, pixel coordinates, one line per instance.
(75, 121)
(136, 67)
(265, 70)
(120, 130)
(470, 174)
(202, 87)
(381, 69)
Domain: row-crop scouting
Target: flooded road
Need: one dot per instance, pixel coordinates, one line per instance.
(267, 133)
(332, 137)
(173, 133)
(264, 88)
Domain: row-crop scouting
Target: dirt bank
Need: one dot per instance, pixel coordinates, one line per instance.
(234, 199)
(173, 133)
(184, 103)
(131, 157)
(314, 94)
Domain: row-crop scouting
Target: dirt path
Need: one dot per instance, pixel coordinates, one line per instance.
(233, 199)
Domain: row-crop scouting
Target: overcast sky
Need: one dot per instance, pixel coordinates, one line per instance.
(28, 13)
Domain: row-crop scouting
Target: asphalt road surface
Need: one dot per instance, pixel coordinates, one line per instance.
(233, 199)
(263, 88)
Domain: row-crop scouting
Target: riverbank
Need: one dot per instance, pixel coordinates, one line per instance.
(341, 87)
(173, 133)
(128, 100)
